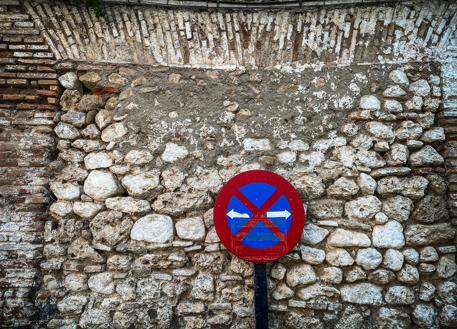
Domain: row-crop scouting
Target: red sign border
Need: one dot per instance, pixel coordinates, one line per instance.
(225, 235)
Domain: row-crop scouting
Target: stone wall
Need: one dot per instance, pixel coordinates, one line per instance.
(354, 105)
(144, 151)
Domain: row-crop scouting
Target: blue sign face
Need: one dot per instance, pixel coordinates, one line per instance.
(279, 215)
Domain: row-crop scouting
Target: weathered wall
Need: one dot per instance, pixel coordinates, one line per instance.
(187, 131)
(143, 152)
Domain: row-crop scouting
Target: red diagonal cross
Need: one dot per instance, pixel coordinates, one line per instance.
(259, 215)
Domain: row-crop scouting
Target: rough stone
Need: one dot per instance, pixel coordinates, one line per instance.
(86, 210)
(370, 102)
(426, 156)
(408, 130)
(420, 88)
(177, 203)
(397, 208)
(114, 132)
(446, 267)
(399, 76)
(421, 235)
(110, 227)
(367, 183)
(389, 235)
(142, 184)
(394, 91)
(331, 274)
(100, 185)
(66, 131)
(102, 283)
(317, 290)
(72, 304)
(363, 208)
(128, 205)
(153, 228)
(380, 130)
(339, 257)
(370, 159)
(343, 187)
(174, 152)
(75, 118)
(344, 238)
(426, 291)
(408, 274)
(368, 258)
(434, 135)
(138, 157)
(191, 228)
(65, 191)
(393, 106)
(310, 185)
(400, 295)
(282, 292)
(448, 316)
(428, 254)
(313, 234)
(393, 260)
(398, 155)
(312, 255)
(424, 315)
(362, 293)
(381, 276)
(300, 274)
(97, 160)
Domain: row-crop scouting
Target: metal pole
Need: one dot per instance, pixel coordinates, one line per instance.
(261, 296)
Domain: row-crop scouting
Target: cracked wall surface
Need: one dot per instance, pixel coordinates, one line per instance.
(160, 107)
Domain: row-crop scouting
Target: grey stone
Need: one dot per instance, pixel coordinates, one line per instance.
(100, 185)
(393, 260)
(432, 208)
(420, 87)
(397, 208)
(70, 81)
(363, 208)
(76, 281)
(142, 184)
(367, 183)
(426, 291)
(66, 131)
(411, 256)
(380, 130)
(434, 135)
(61, 208)
(343, 187)
(103, 118)
(312, 255)
(177, 203)
(310, 185)
(77, 119)
(331, 274)
(282, 292)
(421, 235)
(65, 191)
(448, 316)
(98, 160)
(344, 238)
(391, 318)
(317, 290)
(278, 271)
(398, 155)
(415, 103)
(88, 145)
(94, 318)
(102, 283)
(72, 304)
(390, 171)
(339, 257)
(424, 315)
(203, 287)
(394, 91)
(80, 249)
(393, 106)
(370, 159)
(174, 152)
(191, 228)
(172, 178)
(252, 144)
(313, 234)
(408, 130)
(362, 293)
(408, 274)
(326, 208)
(368, 258)
(428, 254)
(128, 205)
(110, 227)
(400, 295)
(399, 76)
(355, 274)
(114, 132)
(86, 210)
(153, 228)
(381, 276)
(300, 275)
(90, 79)
(446, 267)
(389, 235)
(370, 102)
(426, 156)
(138, 157)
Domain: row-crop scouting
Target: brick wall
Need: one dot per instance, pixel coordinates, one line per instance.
(29, 95)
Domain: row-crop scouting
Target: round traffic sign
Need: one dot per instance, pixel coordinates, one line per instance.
(259, 216)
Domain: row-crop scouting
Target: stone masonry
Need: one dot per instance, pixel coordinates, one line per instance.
(110, 165)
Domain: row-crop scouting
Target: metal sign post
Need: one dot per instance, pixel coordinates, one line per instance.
(259, 217)
(261, 296)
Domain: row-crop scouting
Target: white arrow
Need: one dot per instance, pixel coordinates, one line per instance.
(279, 214)
(232, 214)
